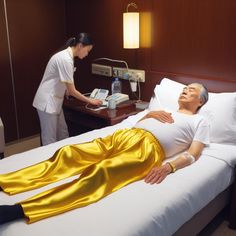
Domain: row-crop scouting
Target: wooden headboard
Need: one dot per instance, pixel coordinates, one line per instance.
(212, 84)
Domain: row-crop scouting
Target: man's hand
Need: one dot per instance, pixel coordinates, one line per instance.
(162, 116)
(158, 174)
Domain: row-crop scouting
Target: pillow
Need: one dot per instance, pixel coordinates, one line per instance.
(154, 103)
(168, 93)
(220, 109)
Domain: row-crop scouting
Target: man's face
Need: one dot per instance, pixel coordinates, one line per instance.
(191, 95)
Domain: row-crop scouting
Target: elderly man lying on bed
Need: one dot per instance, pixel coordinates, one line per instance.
(107, 164)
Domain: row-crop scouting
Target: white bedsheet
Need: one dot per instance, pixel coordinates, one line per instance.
(138, 209)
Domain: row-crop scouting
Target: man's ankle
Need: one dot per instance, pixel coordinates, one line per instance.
(10, 213)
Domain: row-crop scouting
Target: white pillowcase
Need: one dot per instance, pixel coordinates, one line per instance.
(221, 113)
(220, 109)
(154, 103)
(168, 93)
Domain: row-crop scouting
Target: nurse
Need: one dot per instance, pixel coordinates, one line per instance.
(58, 80)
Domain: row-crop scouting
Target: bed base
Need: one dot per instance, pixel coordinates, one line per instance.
(232, 213)
(199, 221)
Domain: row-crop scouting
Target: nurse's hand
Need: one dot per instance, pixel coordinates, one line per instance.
(96, 102)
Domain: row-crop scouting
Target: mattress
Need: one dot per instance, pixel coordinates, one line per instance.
(138, 209)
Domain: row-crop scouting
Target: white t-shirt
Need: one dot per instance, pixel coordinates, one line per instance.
(177, 137)
(51, 91)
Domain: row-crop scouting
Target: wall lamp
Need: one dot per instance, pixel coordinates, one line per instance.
(131, 27)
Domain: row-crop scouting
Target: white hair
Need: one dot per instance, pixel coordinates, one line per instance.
(203, 93)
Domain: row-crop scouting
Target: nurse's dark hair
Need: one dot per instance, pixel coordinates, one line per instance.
(82, 38)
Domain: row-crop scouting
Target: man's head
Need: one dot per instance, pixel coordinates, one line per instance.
(193, 97)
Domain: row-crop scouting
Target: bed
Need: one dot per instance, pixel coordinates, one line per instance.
(191, 196)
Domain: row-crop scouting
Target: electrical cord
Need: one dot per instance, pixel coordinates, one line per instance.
(86, 94)
(113, 60)
(127, 68)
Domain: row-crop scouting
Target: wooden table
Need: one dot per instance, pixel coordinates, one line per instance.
(81, 119)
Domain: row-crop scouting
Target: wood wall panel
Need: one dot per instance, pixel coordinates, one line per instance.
(103, 20)
(7, 112)
(195, 37)
(37, 30)
(189, 37)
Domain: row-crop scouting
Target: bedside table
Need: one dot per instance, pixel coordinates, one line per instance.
(81, 119)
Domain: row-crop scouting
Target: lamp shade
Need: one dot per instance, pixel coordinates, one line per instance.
(131, 30)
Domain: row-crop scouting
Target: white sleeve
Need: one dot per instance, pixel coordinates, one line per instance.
(65, 70)
(202, 133)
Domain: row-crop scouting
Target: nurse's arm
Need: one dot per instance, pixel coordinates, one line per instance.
(72, 91)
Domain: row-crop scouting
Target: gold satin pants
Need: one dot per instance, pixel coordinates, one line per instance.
(105, 164)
